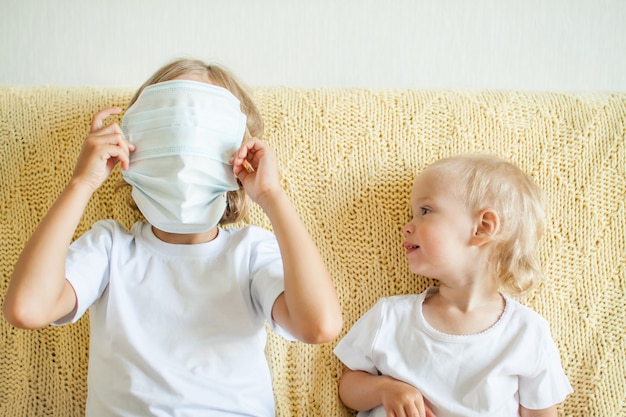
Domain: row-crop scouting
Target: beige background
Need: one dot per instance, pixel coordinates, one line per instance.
(553, 45)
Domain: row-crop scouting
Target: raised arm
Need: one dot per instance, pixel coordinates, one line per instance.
(362, 391)
(38, 292)
(309, 308)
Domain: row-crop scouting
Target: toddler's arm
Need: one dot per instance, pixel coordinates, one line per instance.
(363, 391)
(309, 308)
(38, 293)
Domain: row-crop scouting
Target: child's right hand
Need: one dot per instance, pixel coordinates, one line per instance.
(102, 149)
(402, 399)
(363, 391)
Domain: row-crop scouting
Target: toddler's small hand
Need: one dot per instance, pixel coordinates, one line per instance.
(402, 399)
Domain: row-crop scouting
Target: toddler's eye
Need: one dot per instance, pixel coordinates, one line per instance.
(424, 210)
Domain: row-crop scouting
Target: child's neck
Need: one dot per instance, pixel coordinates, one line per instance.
(185, 239)
(468, 298)
(463, 310)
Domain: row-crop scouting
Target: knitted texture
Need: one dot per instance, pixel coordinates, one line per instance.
(348, 158)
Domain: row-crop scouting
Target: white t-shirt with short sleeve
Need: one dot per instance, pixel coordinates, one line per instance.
(486, 374)
(176, 330)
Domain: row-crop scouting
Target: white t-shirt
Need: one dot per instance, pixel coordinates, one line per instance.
(176, 330)
(485, 374)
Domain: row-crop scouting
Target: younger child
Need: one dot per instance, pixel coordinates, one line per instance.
(178, 305)
(462, 348)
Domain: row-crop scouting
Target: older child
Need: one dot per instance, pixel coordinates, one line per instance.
(463, 348)
(178, 305)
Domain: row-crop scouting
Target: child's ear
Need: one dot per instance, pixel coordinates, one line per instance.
(487, 225)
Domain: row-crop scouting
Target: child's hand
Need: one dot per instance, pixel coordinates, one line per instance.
(402, 399)
(260, 178)
(102, 149)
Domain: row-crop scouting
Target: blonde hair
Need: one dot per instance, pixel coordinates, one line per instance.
(487, 182)
(237, 203)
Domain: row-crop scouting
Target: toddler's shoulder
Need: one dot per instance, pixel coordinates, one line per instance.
(401, 300)
(525, 316)
(399, 305)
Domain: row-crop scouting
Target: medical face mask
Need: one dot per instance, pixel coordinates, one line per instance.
(185, 133)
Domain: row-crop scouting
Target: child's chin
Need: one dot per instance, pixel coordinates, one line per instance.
(415, 269)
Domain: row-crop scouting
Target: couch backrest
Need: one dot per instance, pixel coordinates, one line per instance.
(348, 158)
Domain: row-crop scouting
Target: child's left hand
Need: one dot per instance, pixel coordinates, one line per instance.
(263, 180)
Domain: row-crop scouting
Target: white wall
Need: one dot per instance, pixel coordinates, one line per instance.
(556, 45)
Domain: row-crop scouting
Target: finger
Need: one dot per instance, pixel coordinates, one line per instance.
(394, 411)
(117, 130)
(112, 145)
(249, 147)
(124, 159)
(109, 138)
(241, 172)
(101, 116)
(125, 148)
(242, 158)
(126, 162)
(410, 410)
(114, 154)
(111, 128)
(421, 409)
(242, 163)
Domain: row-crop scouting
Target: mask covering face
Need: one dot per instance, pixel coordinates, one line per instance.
(185, 133)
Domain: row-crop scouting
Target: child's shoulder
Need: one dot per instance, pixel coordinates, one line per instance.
(401, 304)
(249, 232)
(402, 299)
(408, 299)
(250, 229)
(524, 315)
(254, 237)
(111, 227)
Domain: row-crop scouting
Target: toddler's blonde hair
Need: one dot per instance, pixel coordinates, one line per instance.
(487, 182)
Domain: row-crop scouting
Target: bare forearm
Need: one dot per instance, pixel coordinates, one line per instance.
(361, 390)
(37, 293)
(312, 307)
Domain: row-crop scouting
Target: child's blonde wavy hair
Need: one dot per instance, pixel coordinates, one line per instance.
(237, 208)
(487, 182)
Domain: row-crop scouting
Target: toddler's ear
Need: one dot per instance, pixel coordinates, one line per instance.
(487, 225)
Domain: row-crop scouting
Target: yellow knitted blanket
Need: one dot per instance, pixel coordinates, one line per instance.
(348, 158)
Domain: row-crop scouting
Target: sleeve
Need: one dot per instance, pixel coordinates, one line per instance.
(87, 267)
(547, 385)
(356, 348)
(267, 277)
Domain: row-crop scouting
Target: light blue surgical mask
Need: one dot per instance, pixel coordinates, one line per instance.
(185, 133)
